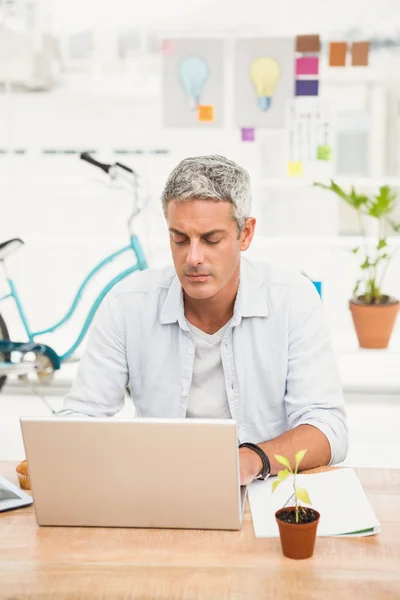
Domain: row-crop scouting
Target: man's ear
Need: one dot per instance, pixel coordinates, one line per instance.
(247, 234)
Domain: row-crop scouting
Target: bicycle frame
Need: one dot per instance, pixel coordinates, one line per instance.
(141, 264)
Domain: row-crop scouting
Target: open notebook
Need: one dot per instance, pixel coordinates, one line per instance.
(337, 495)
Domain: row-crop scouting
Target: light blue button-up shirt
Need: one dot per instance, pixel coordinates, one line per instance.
(278, 362)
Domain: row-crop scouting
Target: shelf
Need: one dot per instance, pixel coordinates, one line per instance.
(373, 372)
(339, 241)
(257, 182)
(357, 182)
(60, 239)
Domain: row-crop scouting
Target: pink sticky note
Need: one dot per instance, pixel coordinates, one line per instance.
(167, 47)
(248, 134)
(307, 65)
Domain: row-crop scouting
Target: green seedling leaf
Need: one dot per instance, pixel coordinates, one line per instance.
(282, 460)
(298, 457)
(283, 474)
(355, 250)
(302, 495)
(275, 485)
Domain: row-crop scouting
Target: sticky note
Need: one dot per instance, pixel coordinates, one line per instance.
(167, 47)
(308, 43)
(360, 54)
(205, 113)
(307, 87)
(324, 153)
(248, 134)
(295, 169)
(307, 65)
(337, 54)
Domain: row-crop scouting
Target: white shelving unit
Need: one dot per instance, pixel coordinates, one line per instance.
(346, 182)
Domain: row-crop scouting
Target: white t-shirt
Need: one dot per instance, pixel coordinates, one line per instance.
(207, 396)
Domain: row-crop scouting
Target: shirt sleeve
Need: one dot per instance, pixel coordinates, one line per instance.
(99, 386)
(314, 393)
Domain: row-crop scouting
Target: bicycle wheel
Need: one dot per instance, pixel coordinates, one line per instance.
(4, 335)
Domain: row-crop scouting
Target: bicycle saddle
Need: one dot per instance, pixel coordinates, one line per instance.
(10, 246)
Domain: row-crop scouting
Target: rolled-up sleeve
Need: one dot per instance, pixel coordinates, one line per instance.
(314, 393)
(99, 386)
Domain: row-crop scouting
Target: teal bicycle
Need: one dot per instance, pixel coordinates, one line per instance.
(31, 354)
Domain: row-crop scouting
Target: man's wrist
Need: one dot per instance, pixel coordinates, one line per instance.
(263, 464)
(255, 460)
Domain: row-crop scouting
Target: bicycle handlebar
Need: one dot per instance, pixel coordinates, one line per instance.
(104, 166)
(126, 179)
(125, 167)
(86, 156)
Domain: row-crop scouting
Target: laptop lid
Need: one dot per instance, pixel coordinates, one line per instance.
(175, 473)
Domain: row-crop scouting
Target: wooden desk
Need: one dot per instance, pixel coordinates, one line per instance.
(60, 563)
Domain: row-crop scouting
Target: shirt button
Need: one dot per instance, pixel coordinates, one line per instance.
(184, 393)
(191, 351)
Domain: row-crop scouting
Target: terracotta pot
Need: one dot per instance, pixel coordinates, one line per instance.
(374, 323)
(297, 540)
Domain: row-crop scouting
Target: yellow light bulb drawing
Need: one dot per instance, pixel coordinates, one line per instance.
(264, 73)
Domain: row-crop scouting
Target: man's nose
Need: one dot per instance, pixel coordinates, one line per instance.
(195, 255)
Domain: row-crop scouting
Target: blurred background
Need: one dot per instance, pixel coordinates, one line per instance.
(109, 79)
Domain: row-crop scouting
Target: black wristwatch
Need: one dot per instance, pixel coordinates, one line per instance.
(266, 468)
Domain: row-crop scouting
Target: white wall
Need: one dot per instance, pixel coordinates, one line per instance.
(70, 220)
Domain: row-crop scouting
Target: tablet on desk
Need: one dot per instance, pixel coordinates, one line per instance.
(174, 473)
(11, 496)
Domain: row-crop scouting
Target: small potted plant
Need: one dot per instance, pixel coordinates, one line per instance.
(297, 524)
(374, 313)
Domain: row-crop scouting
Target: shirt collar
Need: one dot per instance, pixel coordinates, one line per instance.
(250, 300)
(173, 310)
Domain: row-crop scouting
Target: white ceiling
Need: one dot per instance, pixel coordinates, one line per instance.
(327, 17)
(288, 16)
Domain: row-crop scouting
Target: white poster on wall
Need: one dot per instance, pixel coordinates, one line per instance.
(193, 82)
(309, 137)
(263, 81)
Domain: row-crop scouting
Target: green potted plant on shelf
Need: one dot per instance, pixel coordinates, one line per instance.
(297, 524)
(374, 313)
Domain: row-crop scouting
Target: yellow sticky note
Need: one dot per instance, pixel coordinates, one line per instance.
(205, 113)
(295, 169)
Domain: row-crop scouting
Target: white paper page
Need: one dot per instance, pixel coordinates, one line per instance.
(337, 495)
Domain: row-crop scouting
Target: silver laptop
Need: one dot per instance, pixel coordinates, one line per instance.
(175, 473)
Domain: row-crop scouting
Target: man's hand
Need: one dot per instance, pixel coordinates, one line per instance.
(250, 465)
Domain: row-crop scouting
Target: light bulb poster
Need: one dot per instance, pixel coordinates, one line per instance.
(264, 75)
(193, 79)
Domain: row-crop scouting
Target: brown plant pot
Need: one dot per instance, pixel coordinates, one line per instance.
(374, 322)
(297, 539)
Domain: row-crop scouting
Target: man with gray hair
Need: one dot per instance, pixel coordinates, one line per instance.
(218, 336)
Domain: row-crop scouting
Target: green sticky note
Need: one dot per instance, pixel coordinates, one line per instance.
(324, 153)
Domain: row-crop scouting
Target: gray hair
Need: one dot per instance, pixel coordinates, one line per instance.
(210, 178)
